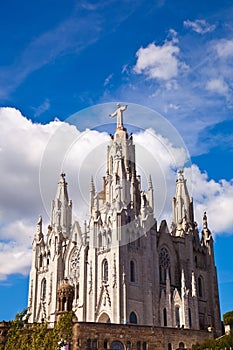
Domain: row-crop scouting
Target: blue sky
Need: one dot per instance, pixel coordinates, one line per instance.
(59, 57)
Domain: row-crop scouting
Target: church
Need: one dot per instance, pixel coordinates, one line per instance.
(122, 267)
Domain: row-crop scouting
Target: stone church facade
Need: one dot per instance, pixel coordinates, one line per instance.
(123, 267)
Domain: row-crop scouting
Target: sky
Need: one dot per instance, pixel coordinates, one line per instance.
(63, 67)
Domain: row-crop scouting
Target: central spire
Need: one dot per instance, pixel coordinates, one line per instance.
(119, 114)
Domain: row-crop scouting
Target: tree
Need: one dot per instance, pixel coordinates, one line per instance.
(228, 318)
(24, 336)
(225, 342)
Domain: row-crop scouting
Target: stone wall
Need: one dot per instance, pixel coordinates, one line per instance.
(133, 337)
(87, 335)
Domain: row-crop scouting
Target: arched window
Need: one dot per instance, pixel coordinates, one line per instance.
(94, 343)
(116, 345)
(138, 345)
(169, 346)
(177, 314)
(164, 265)
(132, 271)
(88, 343)
(144, 346)
(200, 286)
(43, 289)
(181, 345)
(165, 317)
(128, 345)
(133, 318)
(105, 270)
(105, 344)
(190, 318)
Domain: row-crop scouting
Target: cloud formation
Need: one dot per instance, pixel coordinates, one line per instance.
(218, 85)
(159, 62)
(216, 198)
(224, 48)
(28, 149)
(200, 26)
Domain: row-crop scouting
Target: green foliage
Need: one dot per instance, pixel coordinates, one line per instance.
(228, 318)
(225, 342)
(23, 336)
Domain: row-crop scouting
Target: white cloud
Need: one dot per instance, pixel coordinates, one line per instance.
(14, 258)
(159, 62)
(224, 48)
(218, 85)
(199, 26)
(216, 198)
(28, 149)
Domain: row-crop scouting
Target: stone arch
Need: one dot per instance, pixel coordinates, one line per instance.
(104, 318)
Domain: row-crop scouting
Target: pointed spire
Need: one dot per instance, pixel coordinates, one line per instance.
(182, 203)
(62, 193)
(84, 234)
(205, 223)
(206, 234)
(92, 194)
(62, 208)
(92, 186)
(150, 193)
(39, 233)
(150, 184)
(96, 206)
